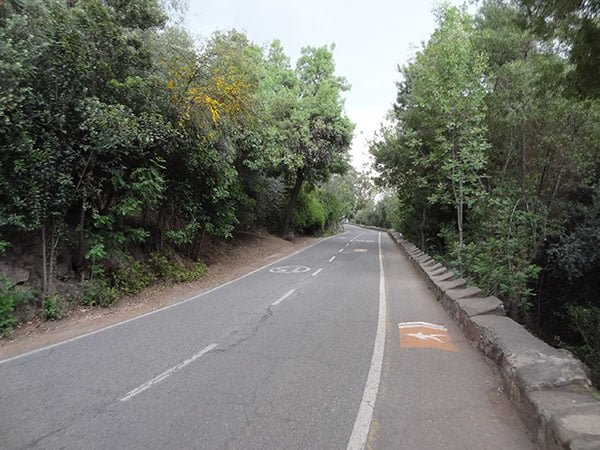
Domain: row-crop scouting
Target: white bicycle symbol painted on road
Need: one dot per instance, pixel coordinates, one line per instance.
(289, 269)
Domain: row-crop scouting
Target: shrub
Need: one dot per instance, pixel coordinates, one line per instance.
(171, 270)
(133, 276)
(309, 215)
(52, 308)
(10, 298)
(162, 266)
(586, 321)
(193, 272)
(99, 293)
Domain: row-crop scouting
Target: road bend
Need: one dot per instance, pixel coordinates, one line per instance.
(337, 346)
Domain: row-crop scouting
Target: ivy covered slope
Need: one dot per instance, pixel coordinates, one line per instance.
(126, 146)
(493, 160)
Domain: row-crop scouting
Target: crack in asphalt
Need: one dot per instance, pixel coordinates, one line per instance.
(246, 336)
(45, 436)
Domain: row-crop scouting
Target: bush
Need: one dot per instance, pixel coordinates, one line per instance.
(586, 321)
(52, 308)
(133, 276)
(171, 270)
(99, 293)
(10, 298)
(309, 215)
(193, 272)
(501, 267)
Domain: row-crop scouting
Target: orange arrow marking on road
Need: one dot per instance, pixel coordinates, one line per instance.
(425, 335)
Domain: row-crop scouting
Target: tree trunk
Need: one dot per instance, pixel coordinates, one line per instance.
(54, 238)
(459, 219)
(198, 252)
(290, 206)
(80, 254)
(44, 274)
(422, 227)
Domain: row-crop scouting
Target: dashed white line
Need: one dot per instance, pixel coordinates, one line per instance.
(340, 250)
(283, 297)
(331, 259)
(167, 373)
(360, 432)
(316, 272)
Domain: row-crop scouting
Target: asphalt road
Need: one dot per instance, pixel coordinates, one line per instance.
(290, 356)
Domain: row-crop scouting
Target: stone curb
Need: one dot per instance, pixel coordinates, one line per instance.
(549, 387)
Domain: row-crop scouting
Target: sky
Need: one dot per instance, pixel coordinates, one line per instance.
(372, 38)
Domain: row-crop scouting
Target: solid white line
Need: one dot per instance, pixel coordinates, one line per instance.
(283, 297)
(174, 305)
(167, 373)
(360, 432)
(434, 326)
(331, 259)
(340, 250)
(317, 272)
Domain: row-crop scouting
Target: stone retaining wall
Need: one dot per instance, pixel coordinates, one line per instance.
(549, 387)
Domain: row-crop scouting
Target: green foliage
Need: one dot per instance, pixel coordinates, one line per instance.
(585, 320)
(386, 213)
(99, 292)
(340, 197)
(121, 135)
(174, 271)
(190, 273)
(53, 308)
(4, 245)
(95, 255)
(11, 298)
(309, 215)
(132, 276)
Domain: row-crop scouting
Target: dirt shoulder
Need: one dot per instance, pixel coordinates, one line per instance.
(247, 252)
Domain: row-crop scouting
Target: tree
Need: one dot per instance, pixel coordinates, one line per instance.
(441, 111)
(314, 135)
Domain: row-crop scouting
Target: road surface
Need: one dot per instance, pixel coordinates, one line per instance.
(337, 346)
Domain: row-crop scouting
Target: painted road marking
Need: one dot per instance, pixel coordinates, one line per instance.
(331, 259)
(360, 431)
(289, 269)
(425, 335)
(340, 250)
(167, 373)
(360, 250)
(316, 272)
(357, 236)
(283, 297)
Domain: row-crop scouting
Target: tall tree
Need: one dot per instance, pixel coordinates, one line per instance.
(321, 133)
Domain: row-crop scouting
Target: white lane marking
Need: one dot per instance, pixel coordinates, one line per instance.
(166, 373)
(331, 259)
(360, 432)
(347, 245)
(340, 250)
(433, 326)
(283, 297)
(317, 272)
(174, 305)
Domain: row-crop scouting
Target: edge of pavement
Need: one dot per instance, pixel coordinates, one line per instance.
(549, 387)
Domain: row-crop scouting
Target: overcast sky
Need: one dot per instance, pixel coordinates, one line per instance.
(372, 37)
